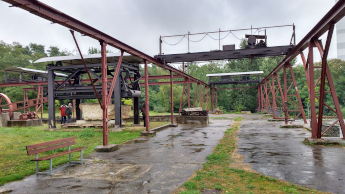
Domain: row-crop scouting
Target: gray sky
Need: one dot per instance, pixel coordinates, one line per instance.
(139, 23)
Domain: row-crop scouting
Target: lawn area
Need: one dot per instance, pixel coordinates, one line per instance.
(221, 172)
(15, 164)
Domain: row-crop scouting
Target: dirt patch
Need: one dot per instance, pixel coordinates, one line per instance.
(238, 160)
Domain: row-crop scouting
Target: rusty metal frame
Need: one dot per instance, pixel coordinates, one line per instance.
(44, 11)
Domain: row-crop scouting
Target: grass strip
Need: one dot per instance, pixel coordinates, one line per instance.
(15, 164)
(221, 173)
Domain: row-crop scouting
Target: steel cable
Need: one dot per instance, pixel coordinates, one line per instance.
(202, 38)
(173, 44)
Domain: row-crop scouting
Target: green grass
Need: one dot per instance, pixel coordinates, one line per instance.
(220, 172)
(15, 164)
(238, 119)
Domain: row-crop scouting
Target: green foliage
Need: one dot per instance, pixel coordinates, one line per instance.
(128, 101)
(57, 103)
(160, 109)
(239, 107)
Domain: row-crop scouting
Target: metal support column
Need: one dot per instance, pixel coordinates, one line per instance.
(312, 91)
(51, 98)
(147, 98)
(117, 102)
(78, 112)
(104, 69)
(212, 98)
(184, 85)
(285, 96)
(136, 109)
(188, 93)
(171, 97)
(273, 97)
(267, 99)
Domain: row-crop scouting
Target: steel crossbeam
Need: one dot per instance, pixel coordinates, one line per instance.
(44, 11)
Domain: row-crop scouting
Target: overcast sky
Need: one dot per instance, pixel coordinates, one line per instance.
(139, 23)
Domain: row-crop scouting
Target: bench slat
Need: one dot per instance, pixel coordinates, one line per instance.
(45, 149)
(58, 154)
(34, 146)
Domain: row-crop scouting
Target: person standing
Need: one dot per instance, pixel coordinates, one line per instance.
(63, 114)
(68, 112)
(143, 112)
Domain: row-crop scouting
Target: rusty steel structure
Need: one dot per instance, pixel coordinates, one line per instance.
(271, 95)
(309, 42)
(42, 10)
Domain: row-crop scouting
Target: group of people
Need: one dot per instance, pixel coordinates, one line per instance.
(66, 111)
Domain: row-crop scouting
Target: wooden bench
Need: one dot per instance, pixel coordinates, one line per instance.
(52, 145)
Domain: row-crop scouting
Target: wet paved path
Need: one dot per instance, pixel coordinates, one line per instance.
(150, 165)
(280, 153)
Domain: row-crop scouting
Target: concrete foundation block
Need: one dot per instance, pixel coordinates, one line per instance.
(324, 141)
(246, 112)
(24, 123)
(192, 120)
(16, 115)
(19, 123)
(173, 125)
(4, 118)
(108, 148)
(145, 133)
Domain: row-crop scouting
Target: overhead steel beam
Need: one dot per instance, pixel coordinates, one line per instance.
(222, 55)
(336, 13)
(34, 83)
(164, 83)
(42, 10)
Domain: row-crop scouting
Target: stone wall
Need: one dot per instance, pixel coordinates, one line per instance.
(332, 132)
(94, 112)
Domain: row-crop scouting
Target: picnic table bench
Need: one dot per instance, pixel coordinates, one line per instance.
(53, 145)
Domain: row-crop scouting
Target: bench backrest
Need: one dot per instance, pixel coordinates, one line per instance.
(50, 145)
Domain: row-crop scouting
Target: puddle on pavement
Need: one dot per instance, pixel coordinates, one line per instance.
(138, 140)
(151, 191)
(104, 171)
(194, 145)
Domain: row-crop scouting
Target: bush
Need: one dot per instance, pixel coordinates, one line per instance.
(160, 109)
(239, 107)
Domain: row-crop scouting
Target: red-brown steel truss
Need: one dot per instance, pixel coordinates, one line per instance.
(268, 90)
(310, 41)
